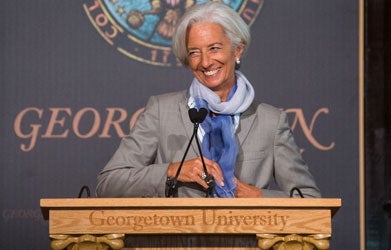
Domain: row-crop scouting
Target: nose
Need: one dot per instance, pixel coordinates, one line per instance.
(205, 60)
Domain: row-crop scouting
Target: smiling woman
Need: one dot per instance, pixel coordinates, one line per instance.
(212, 57)
(247, 145)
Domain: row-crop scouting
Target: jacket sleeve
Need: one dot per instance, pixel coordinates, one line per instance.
(131, 172)
(290, 170)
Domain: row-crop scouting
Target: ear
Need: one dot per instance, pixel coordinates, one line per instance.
(239, 50)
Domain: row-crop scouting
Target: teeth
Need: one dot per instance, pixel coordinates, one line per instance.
(212, 72)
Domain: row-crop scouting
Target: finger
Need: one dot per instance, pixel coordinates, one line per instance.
(202, 182)
(214, 169)
(195, 172)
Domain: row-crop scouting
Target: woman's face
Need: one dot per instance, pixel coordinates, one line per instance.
(212, 58)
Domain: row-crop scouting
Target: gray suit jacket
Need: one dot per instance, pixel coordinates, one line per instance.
(267, 152)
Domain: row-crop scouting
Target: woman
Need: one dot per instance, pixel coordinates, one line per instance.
(246, 145)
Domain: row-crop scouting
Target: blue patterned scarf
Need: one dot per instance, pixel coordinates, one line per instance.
(219, 143)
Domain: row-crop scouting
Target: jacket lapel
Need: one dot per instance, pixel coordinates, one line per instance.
(188, 125)
(246, 121)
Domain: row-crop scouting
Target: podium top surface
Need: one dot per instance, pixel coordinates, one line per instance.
(145, 203)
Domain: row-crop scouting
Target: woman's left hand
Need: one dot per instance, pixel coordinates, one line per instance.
(244, 190)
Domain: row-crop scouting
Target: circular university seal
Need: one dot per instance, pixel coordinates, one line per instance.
(142, 29)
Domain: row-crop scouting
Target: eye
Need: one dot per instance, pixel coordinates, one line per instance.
(215, 48)
(193, 53)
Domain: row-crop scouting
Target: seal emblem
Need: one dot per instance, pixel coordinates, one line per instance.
(142, 29)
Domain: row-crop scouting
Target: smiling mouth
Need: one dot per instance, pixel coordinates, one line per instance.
(211, 72)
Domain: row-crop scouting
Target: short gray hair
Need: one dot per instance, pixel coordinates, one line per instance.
(237, 31)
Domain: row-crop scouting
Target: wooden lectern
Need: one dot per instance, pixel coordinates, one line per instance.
(189, 223)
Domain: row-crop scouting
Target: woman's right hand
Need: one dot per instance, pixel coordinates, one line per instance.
(193, 171)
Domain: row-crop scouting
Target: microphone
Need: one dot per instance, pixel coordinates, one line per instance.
(196, 117)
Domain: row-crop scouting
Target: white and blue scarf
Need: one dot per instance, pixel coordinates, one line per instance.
(219, 143)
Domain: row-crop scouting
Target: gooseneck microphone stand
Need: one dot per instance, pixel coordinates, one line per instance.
(196, 117)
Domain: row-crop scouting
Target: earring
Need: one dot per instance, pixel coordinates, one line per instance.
(237, 63)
